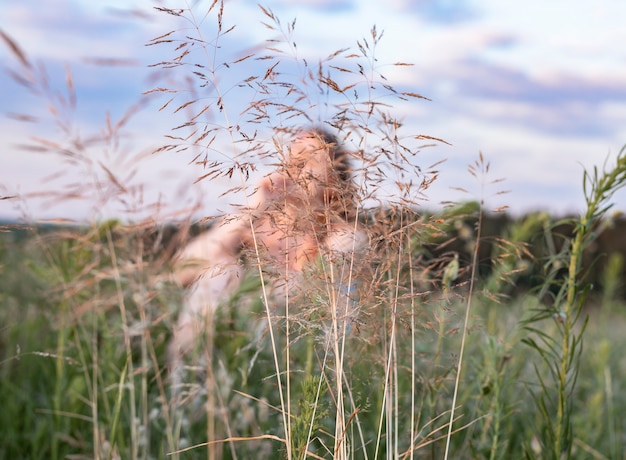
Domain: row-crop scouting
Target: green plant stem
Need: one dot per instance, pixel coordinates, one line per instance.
(127, 345)
(602, 188)
(465, 328)
(568, 323)
(58, 390)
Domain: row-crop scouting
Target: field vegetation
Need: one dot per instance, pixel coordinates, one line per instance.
(477, 336)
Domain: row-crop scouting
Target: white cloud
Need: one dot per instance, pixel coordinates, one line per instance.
(536, 87)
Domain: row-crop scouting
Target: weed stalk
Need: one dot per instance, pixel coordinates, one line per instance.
(564, 352)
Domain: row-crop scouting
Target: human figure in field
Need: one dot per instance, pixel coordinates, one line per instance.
(303, 210)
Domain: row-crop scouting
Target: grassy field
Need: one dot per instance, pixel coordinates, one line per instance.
(466, 343)
(83, 366)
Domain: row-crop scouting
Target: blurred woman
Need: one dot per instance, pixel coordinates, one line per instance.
(304, 210)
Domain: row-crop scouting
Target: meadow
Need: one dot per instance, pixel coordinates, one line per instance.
(469, 342)
(84, 365)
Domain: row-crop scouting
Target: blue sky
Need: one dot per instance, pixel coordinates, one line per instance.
(538, 87)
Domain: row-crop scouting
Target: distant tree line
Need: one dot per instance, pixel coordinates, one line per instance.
(531, 244)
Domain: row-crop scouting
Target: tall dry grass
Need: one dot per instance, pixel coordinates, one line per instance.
(415, 373)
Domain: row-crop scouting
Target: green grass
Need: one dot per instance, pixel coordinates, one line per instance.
(84, 374)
